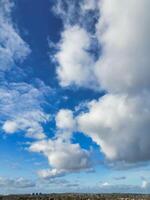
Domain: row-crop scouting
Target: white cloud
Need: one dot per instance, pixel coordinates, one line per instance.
(51, 173)
(89, 5)
(123, 32)
(30, 122)
(122, 70)
(116, 118)
(65, 123)
(144, 184)
(83, 13)
(120, 188)
(10, 126)
(20, 103)
(21, 109)
(105, 184)
(16, 183)
(124, 39)
(65, 10)
(75, 63)
(12, 46)
(63, 157)
(64, 120)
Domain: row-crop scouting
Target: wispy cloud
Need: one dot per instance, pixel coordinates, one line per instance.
(20, 102)
(21, 109)
(13, 48)
(120, 178)
(16, 183)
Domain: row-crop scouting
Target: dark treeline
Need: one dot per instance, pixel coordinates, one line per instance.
(36, 196)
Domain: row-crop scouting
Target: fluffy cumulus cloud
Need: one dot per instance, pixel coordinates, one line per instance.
(116, 118)
(74, 58)
(75, 62)
(122, 70)
(123, 32)
(65, 120)
(63, 157)
(65, 123)
(124, 41)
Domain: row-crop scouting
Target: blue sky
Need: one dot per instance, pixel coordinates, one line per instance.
(74, 96)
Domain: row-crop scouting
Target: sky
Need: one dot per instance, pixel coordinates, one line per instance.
(74, 96)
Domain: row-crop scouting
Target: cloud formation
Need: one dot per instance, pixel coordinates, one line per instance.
(13, 49)
(124, 63)
(119, 121)
(124, 44)
(16, 183)
(19, 116)
(20, 102)
(65, 120)
(63, 157)
(75, 62)
(122, 70)
(116, 118)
